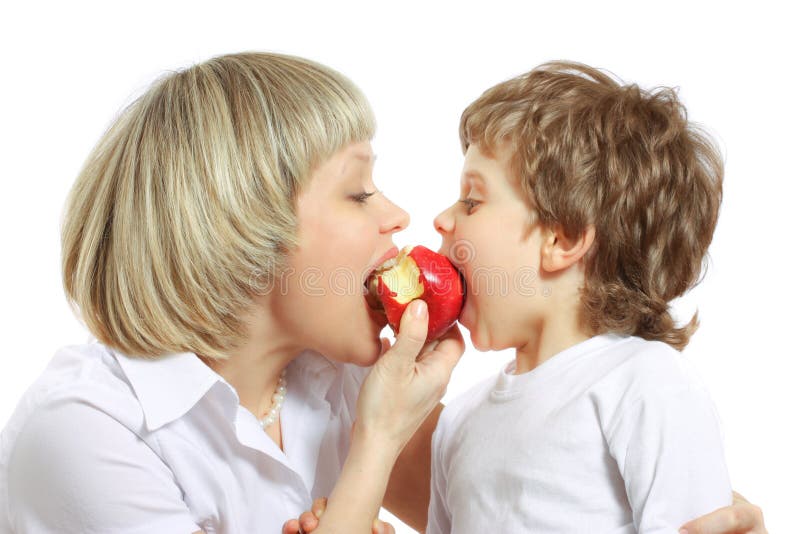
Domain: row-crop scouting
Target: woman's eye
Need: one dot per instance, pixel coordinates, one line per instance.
(470, 204)
(361, 198)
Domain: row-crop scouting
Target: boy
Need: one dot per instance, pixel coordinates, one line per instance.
(607, 199)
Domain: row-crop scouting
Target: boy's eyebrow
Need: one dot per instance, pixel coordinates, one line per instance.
(476, 178)
(474, 175)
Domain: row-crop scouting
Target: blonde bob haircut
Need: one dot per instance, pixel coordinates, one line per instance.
(191, 192)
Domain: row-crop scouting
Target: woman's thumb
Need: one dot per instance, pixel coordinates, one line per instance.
(412, 335)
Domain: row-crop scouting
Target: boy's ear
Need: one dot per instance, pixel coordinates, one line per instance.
(559, 252)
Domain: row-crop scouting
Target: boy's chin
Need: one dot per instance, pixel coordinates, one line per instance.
(468, 321)
(479, 336)
(480, 344)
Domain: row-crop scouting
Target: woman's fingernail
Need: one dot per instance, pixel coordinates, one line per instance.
(319, 512)
(376, 524)
(420, 310)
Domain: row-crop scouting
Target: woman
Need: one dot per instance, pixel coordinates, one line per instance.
(215, 245)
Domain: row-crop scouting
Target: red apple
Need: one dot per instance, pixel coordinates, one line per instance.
(418, 273)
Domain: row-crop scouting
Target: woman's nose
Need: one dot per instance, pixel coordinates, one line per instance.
(395, 218)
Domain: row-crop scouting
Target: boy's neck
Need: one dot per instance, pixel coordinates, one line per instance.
(553, 335)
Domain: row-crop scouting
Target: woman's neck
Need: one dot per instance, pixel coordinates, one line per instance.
(254, 368)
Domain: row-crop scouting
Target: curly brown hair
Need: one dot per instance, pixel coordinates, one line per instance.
(590, 150)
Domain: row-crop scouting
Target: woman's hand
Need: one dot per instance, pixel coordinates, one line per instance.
(407, 381)
(403, 387)
(739, 518)
(308, 521)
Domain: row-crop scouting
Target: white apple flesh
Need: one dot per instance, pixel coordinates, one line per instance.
(418, 273)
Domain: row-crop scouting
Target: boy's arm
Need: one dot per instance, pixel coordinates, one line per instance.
(439, 521)
(408, 492)
(669, 451)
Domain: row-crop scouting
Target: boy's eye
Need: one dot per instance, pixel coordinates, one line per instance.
(470, 204)
(361, 198)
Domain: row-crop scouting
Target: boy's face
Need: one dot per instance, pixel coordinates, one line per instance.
(486, 234)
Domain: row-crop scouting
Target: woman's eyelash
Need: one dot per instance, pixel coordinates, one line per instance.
(470, 203)
(362, 197)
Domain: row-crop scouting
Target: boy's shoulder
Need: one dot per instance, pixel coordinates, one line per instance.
(627, 363)
(651, 365)
(643, 372)
(465, 402)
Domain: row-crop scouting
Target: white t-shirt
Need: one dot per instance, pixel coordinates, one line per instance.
(106, 443)
(613, 434)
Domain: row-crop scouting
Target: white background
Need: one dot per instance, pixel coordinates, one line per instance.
(68, 68)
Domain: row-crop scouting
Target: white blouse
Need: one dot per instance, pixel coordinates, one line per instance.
(106, 443)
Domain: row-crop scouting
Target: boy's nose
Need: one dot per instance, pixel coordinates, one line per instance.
(444, 221)
(394, 219)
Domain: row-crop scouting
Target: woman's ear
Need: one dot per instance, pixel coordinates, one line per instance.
(559, 252)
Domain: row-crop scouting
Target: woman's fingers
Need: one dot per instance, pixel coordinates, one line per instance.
(400, 390)
(446, 353)
(410, 339)
(739, 518)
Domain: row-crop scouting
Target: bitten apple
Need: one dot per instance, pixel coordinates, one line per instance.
(418, 273)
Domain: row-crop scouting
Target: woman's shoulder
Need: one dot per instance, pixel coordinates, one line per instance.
(86, 372)
(76, 437)
(83, 381)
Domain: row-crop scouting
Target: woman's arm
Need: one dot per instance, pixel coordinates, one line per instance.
(398, 395)
(357, 497)
(409, 488)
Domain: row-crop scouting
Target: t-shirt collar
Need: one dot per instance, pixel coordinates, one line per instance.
(509, 384)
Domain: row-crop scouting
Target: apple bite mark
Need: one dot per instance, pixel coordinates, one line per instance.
(401, 279)
(418, 273)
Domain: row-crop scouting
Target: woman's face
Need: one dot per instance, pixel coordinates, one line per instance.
(484, 234)
(345, 229)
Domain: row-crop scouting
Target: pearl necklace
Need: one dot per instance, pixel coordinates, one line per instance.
(277, 402)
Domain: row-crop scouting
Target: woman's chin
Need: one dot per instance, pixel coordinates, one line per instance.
(366, 354)
(362, 350)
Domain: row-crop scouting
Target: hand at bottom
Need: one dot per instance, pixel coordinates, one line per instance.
(739, 518)
(308, 521)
